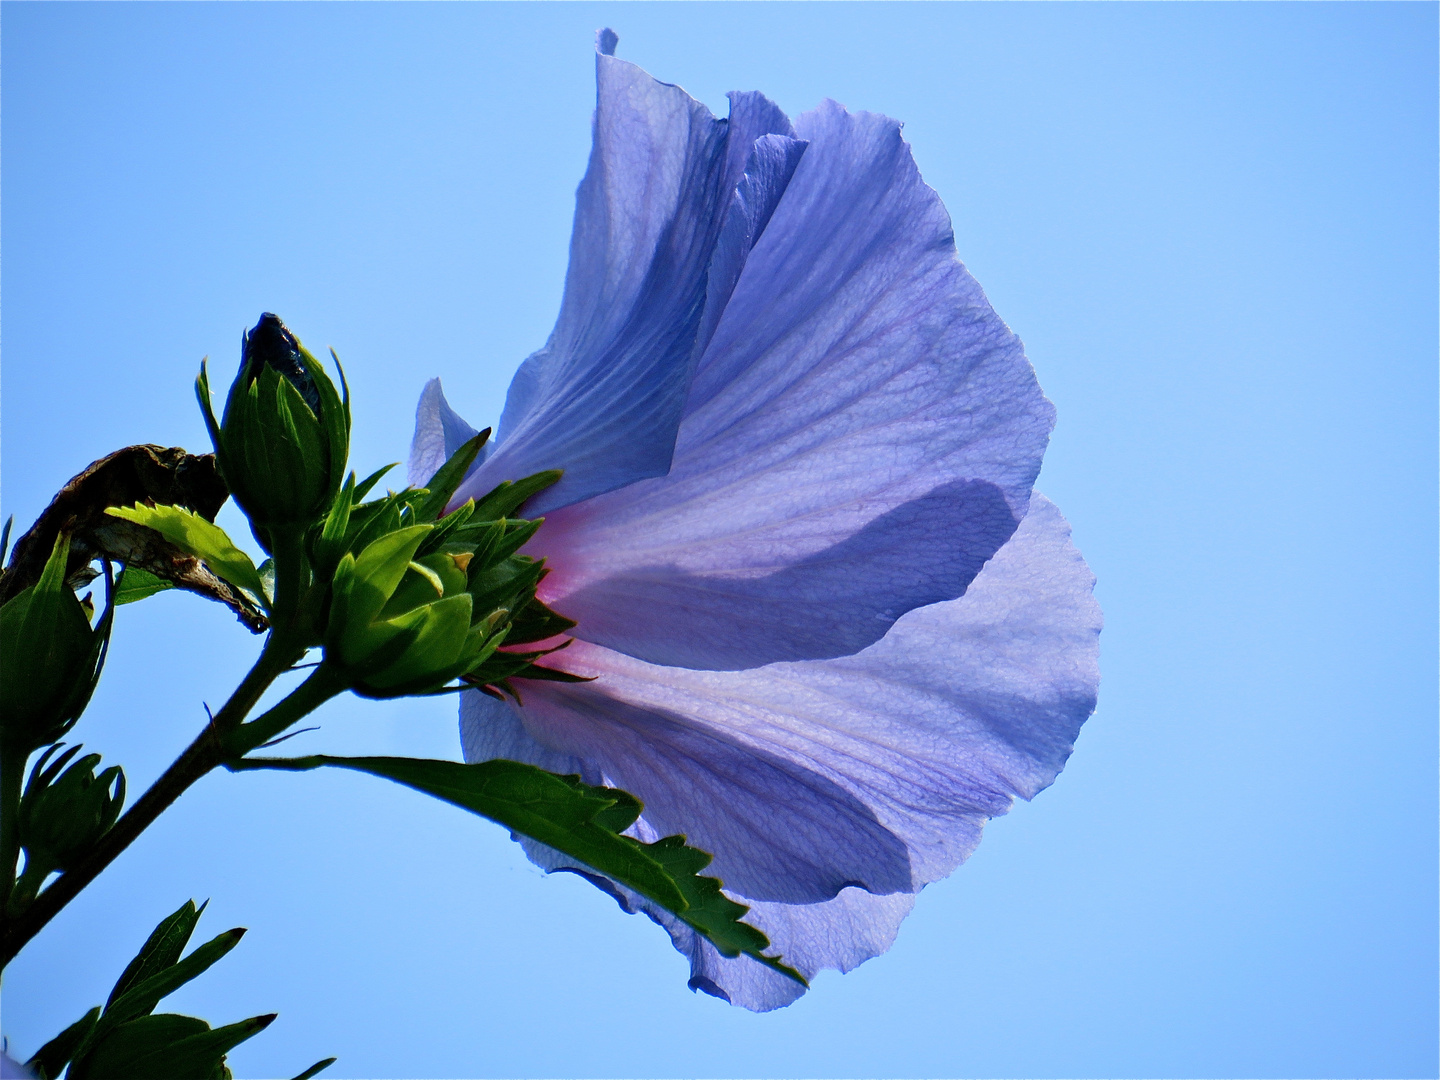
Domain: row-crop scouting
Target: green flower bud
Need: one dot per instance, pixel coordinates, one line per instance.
(401, 625)
(60, 820)
(50, 658)
(285, 435)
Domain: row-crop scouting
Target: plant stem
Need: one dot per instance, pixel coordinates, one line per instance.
(202, 755)
(291, 572)
(12, 778)
(323, 684)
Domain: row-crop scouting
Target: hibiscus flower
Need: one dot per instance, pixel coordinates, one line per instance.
(829, 628)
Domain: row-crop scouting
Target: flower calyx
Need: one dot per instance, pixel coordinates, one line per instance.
(53, 656)
(284, 437)
(421, 597)
(62, 815)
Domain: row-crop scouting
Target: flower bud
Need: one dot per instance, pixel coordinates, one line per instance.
(60, 820)
(285, 435)
(400, 625)
(52, 658)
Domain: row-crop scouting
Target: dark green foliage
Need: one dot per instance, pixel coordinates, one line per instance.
(161, 950)
(50, 1060)
(128, 1040)
(314, 1070)
(62, 815)
(52, 658)
(578, 820)
(135, 584)
(399, 567)
(165, 1046)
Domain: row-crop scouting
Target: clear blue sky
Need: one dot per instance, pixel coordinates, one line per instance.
(1215, 228)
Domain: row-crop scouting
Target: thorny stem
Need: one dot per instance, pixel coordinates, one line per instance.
(205, 753)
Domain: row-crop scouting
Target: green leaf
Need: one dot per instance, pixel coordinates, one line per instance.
(447, 478)
(579, 820)
(137, 584)
(165, 1045)
(146, 994)
(161, 949)
(317, 1068)
(51, 1058)
(200, 538)
(505, 498)
(115, 1054)
(710, 911)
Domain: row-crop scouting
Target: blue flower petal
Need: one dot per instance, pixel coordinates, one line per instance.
(602, 400)
(907, 747)
(861, 433)
(439, 432)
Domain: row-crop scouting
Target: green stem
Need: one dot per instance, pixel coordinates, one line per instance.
(291, 572)
(277, 657)
(28, 885)
(205, 753)
(12, 779)
(322, 685)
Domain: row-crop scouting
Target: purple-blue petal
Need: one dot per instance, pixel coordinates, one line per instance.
(858, 778)
(439, 432)
(861, 433)
(602, 400)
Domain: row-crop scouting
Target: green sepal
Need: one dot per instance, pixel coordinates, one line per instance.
(48, 1062)
(203, 539)
(62, 815)
(135, 584)
(334, 416)
(427, 578)
(329, 546)
(509, 584)
(441, 487)
(579, 820)
(217, 439)
(545, 674)
(517, 533)
(505, 498)
(52, 656)
(363, 488)
(364, 583)
(536, 622)
(448, 531)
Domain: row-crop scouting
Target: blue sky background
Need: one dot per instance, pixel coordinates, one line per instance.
(1215, 228)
